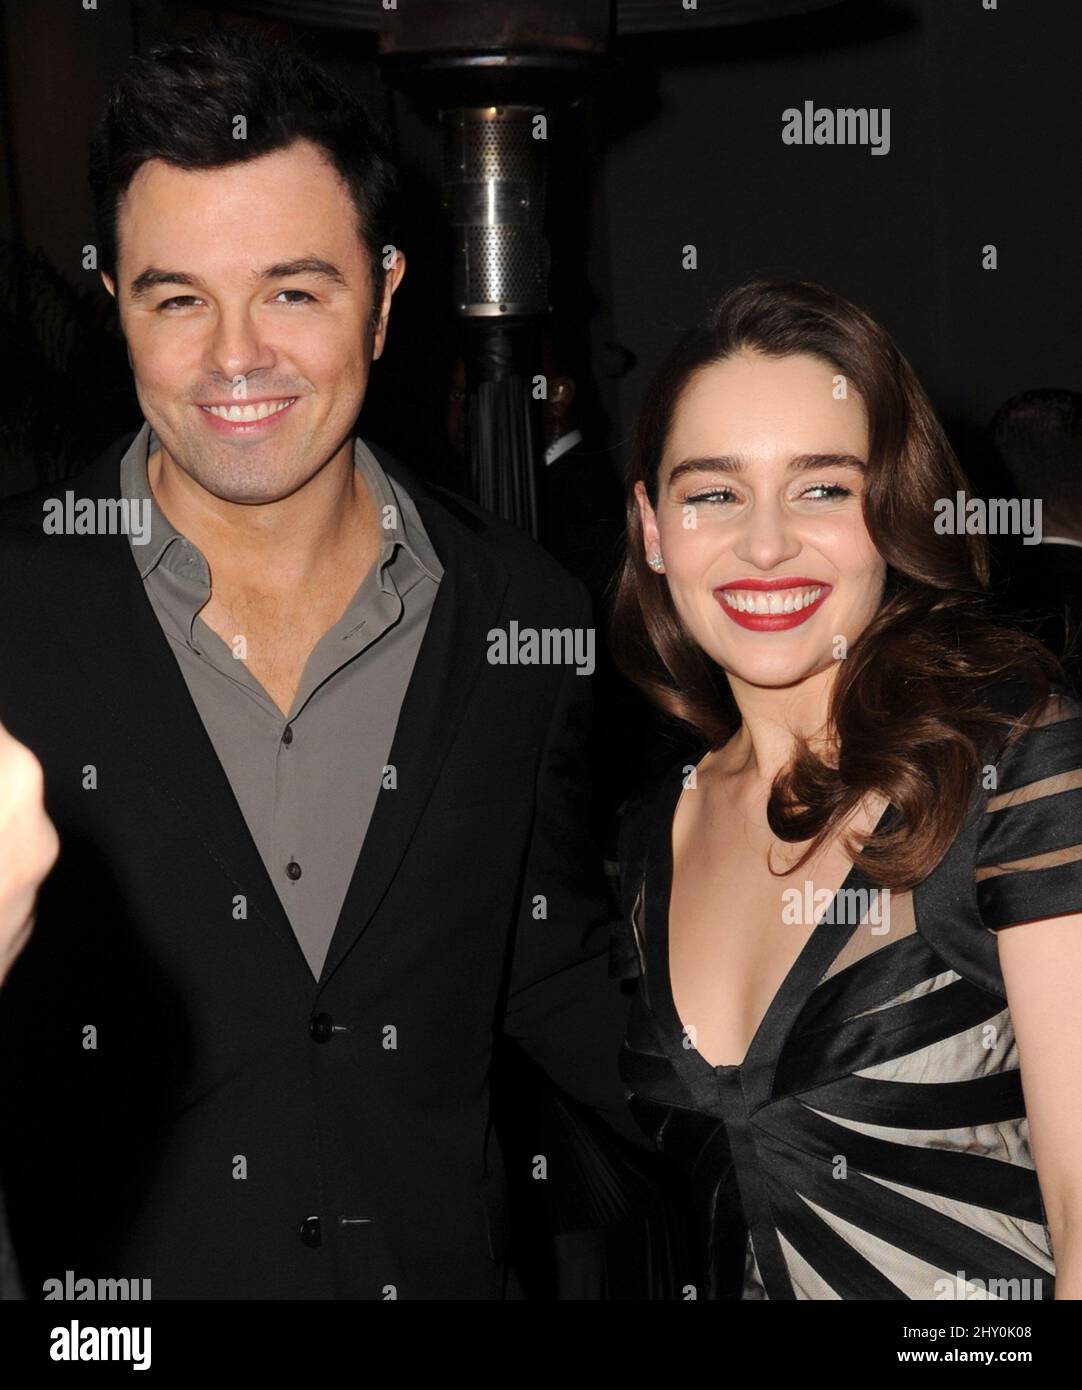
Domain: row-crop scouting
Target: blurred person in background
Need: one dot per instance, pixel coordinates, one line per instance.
(1037, 437)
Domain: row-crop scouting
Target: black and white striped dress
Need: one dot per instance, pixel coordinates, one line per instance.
(873, 1143)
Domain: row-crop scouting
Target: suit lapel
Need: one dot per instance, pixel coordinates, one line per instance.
(450, 658)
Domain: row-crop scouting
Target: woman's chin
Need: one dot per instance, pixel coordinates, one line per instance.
(773, 671)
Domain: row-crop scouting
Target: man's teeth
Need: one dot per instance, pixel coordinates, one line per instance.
(248, 412)
(781, 601)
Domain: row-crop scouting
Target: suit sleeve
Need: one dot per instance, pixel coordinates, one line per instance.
(563, 1008)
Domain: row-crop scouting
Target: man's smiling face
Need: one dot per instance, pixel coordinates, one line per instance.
(274, 304)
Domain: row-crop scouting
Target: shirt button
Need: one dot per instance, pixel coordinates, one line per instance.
(293, 870)
(287, 735)
(321, 1028)
(310, 1234)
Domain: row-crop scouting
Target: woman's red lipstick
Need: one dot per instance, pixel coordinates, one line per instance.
(776, 621)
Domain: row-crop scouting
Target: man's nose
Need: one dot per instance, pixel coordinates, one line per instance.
(236, 346)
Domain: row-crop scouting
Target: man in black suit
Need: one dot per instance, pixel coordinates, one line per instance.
(1038, 438)
(311, 735)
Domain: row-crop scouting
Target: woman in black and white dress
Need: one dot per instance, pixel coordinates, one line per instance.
(855, 906)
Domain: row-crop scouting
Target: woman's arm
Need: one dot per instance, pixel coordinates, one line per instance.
(1042, 971)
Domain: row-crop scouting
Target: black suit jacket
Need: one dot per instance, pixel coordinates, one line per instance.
(177, 1106)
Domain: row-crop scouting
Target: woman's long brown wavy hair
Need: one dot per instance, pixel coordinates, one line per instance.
(908, 715)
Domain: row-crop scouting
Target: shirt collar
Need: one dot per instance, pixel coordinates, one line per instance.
(135, 485)
(400, 524)
(398, 519)
(560, 446)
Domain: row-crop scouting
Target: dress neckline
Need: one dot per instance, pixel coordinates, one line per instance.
(825, 941)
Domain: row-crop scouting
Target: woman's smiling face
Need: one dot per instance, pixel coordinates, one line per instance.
(761, 484)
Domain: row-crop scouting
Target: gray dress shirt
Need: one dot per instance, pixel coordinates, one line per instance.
(306, 783)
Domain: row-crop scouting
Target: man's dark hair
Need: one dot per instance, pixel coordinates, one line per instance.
(179, 104)
(1038, 436)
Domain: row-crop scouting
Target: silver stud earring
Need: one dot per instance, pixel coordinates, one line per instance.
(655, 560)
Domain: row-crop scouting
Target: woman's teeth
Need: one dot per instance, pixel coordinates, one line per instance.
(784, 601)
(248, 412)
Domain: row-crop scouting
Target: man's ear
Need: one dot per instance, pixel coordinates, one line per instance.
(392, 278)
(109, 284)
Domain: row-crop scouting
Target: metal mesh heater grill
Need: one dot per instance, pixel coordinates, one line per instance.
(494, 192)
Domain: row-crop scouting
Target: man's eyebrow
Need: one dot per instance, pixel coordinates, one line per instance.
(732, 463)
(306, 265)
(152, 276)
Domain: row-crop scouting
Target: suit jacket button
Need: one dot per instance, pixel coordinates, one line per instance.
(321, 1028)
(310, 1234)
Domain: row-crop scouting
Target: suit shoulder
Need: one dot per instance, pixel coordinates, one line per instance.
(21, 516)
(524, 556)
(21, 530)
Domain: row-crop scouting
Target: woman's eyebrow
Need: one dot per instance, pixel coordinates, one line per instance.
(733, 464)
(800, 463)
